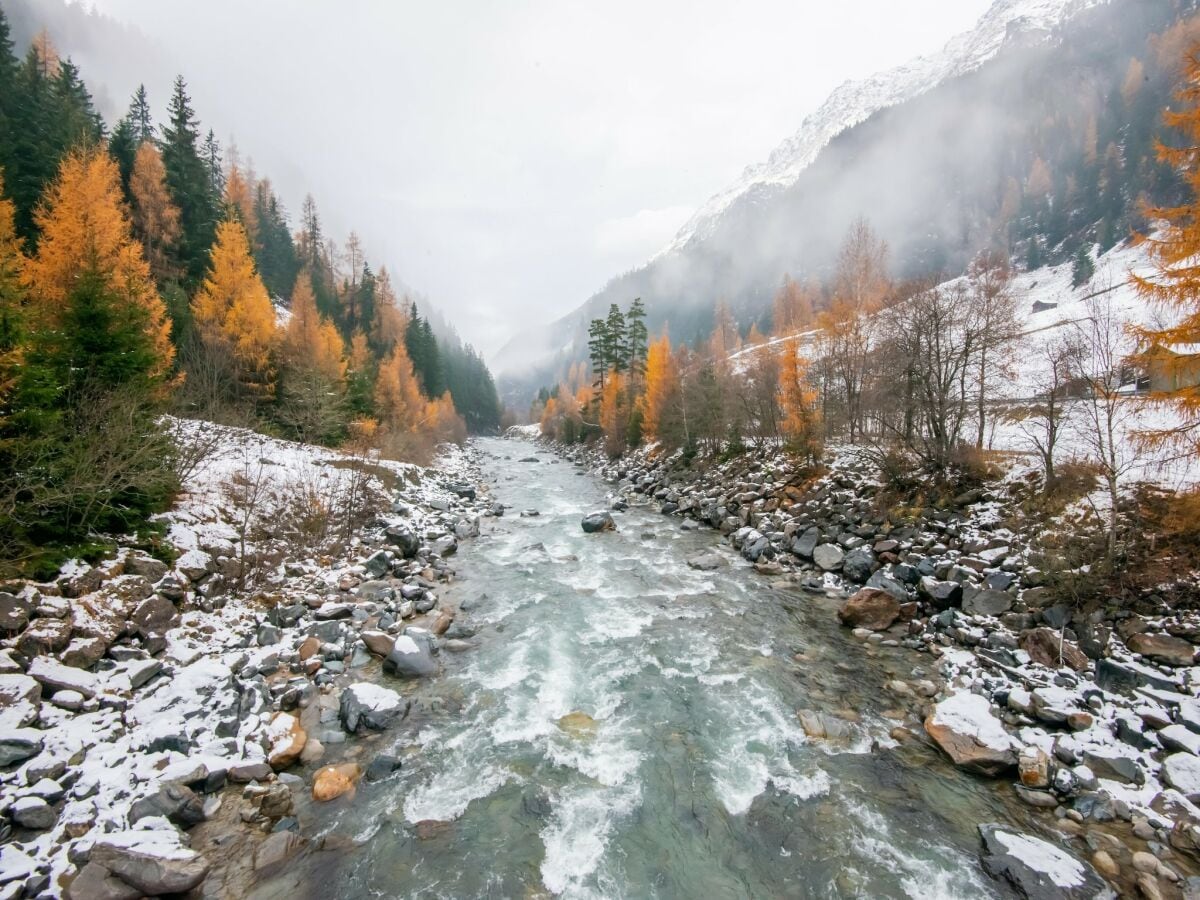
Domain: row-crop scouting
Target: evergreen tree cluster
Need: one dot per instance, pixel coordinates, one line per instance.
(618, 342)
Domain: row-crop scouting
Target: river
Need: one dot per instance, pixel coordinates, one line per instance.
(688, 774)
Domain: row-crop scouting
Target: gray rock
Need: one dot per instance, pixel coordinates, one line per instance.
(34, 813)
(268, 634)
(174, 802)
(806, 543)
(147, 566)
(278, 848)
(378, 564)
(942, 594)
(859, 564)
(143, 860)
(597, 522)
(404, 540)
(17, 744)
(382, 766)
(376, 592)
(14, 612)
(706, 562)
(411, 656)
(1037, 869)
(988, 603)
(829, 557)
(94, 882)
(369, 706)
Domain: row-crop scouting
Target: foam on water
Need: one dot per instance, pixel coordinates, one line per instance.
(450, 791)
(938, 873)
(578, 834)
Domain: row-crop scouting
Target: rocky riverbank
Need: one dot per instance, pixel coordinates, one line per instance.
(141, 697)
(1092, 717)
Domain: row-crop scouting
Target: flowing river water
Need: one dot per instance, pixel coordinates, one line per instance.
(688, 774)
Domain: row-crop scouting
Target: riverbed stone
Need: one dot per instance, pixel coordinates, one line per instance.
(829, 557)
(366, 706)
(175, 802)
(859, 564)
(287, 740)
(153, 862)
(870, 608)
(964, 728)
(988, 603)
(596, 522)
(942, 594)
(411, 656)
(331, 782)
(1037, 869)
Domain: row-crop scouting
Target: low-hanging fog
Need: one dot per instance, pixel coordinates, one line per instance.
(505, 159)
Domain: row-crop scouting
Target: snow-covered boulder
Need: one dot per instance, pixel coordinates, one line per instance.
(965, 729)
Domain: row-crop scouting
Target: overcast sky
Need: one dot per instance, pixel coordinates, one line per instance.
(507, 158)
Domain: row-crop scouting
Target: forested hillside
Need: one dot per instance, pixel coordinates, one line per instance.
(145, 270)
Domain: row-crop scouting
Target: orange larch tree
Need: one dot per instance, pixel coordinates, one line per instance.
(155, 216)
(801, 425)
(662, 383)
(84, 229)
(1175, 282)
(234, 315)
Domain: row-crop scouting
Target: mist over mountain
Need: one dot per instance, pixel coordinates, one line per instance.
(939, 155)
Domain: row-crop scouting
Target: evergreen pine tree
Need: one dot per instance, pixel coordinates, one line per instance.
(190, 183)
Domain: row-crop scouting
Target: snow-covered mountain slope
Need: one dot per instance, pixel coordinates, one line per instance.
(854, 101)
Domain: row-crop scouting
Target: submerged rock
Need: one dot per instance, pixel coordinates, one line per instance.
(578, 724)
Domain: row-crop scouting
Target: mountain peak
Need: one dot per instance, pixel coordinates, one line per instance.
(854, 101)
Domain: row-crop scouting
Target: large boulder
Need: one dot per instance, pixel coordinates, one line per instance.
(1182, 772)
(370, 706)
(964, 728)
(597, 522)
(411, 656)
(1163, 648)
(153, 862)
(1052, 650)
(55, 676)
(870, 608)
(1037, 869)
(44, 636)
